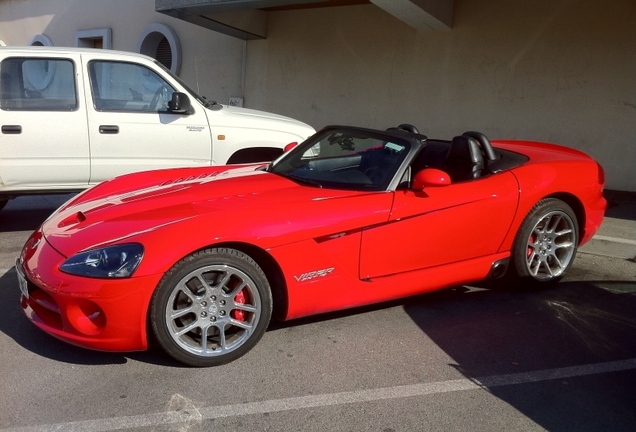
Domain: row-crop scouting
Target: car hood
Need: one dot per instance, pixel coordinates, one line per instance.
(248, 112)
(229, 200)
(242, 117)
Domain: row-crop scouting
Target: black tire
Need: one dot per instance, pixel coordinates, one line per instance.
(546, 244)
(211, 308)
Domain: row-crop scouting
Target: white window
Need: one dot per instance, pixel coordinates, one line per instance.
(37, 84)
(96, 38)
(127, 87)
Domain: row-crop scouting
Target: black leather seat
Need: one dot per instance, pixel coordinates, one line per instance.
(464, 160)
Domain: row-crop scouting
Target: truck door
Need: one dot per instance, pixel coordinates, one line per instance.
(130, 127)
(44, 138)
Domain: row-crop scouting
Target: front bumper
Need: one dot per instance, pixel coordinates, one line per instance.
(101, 314)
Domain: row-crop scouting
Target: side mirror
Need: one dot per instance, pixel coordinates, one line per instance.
(430, 177)
(290, 146)
(179, 104)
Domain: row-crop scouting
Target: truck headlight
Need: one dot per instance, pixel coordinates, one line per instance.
(118, 261)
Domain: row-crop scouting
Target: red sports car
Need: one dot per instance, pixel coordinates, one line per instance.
(202, 258)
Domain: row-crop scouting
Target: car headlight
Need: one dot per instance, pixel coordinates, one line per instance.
(118, 261)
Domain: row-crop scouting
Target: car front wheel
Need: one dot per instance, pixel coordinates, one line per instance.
(211, 308)
(546, 243)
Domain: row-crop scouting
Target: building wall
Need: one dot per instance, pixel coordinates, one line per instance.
(562, 71)
(210, 61)
(553, 70)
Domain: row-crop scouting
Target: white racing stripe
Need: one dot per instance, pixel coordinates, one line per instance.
(314, 401)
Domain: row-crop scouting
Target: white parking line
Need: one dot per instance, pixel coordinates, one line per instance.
(194, 415)
(615, 239)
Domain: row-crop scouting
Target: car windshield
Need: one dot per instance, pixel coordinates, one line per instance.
(344, 159)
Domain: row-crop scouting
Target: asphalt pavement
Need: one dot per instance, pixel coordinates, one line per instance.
(467, 358)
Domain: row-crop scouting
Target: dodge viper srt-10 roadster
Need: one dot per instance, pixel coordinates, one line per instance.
(200, 259)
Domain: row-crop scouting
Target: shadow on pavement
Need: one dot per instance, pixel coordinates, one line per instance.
(487, 332)
(620, 205)
(23, 220)
(26, 213)
(495, 332)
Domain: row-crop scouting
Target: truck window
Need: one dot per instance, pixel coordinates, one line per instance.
(127, 87)
(37, 84)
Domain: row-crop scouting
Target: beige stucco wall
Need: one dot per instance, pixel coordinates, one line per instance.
(216, 59)
(562, 71)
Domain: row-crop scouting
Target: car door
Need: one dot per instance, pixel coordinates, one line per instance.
(130, 127)
(44, 143)
(440, 225)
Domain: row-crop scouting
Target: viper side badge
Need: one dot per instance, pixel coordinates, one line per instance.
(314, 274)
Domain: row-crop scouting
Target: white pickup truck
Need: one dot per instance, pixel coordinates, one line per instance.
(71, 118)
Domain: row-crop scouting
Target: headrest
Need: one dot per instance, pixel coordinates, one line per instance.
(465, 148)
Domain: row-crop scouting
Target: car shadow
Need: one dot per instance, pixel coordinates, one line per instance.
(620, 204)
(493, 330)
(26, 213)
(496, 332)
(21, 220)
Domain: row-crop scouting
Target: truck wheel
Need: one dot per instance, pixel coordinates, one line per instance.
(546, 243)
(211, 308)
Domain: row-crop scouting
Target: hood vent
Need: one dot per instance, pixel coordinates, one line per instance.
(76, 218)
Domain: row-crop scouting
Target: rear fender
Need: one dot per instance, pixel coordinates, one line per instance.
(574, 182)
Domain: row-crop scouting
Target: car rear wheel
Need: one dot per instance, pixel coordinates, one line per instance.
(546, 243)
(211, 308)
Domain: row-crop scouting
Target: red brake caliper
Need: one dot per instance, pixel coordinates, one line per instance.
(237, 314)
(533, 239)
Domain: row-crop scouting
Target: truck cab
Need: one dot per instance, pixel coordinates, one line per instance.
(73, 117)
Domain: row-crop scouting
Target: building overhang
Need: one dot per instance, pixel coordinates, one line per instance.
(247, 19)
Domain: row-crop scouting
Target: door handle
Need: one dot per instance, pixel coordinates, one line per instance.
(108, 129)
(11, 129)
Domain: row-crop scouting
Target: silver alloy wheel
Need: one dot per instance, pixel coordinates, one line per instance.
(551, 245)
(213, 310)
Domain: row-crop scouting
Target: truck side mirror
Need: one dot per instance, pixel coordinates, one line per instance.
(179, 104)
(430, 177)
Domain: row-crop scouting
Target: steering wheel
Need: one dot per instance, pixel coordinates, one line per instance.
(160, 95)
